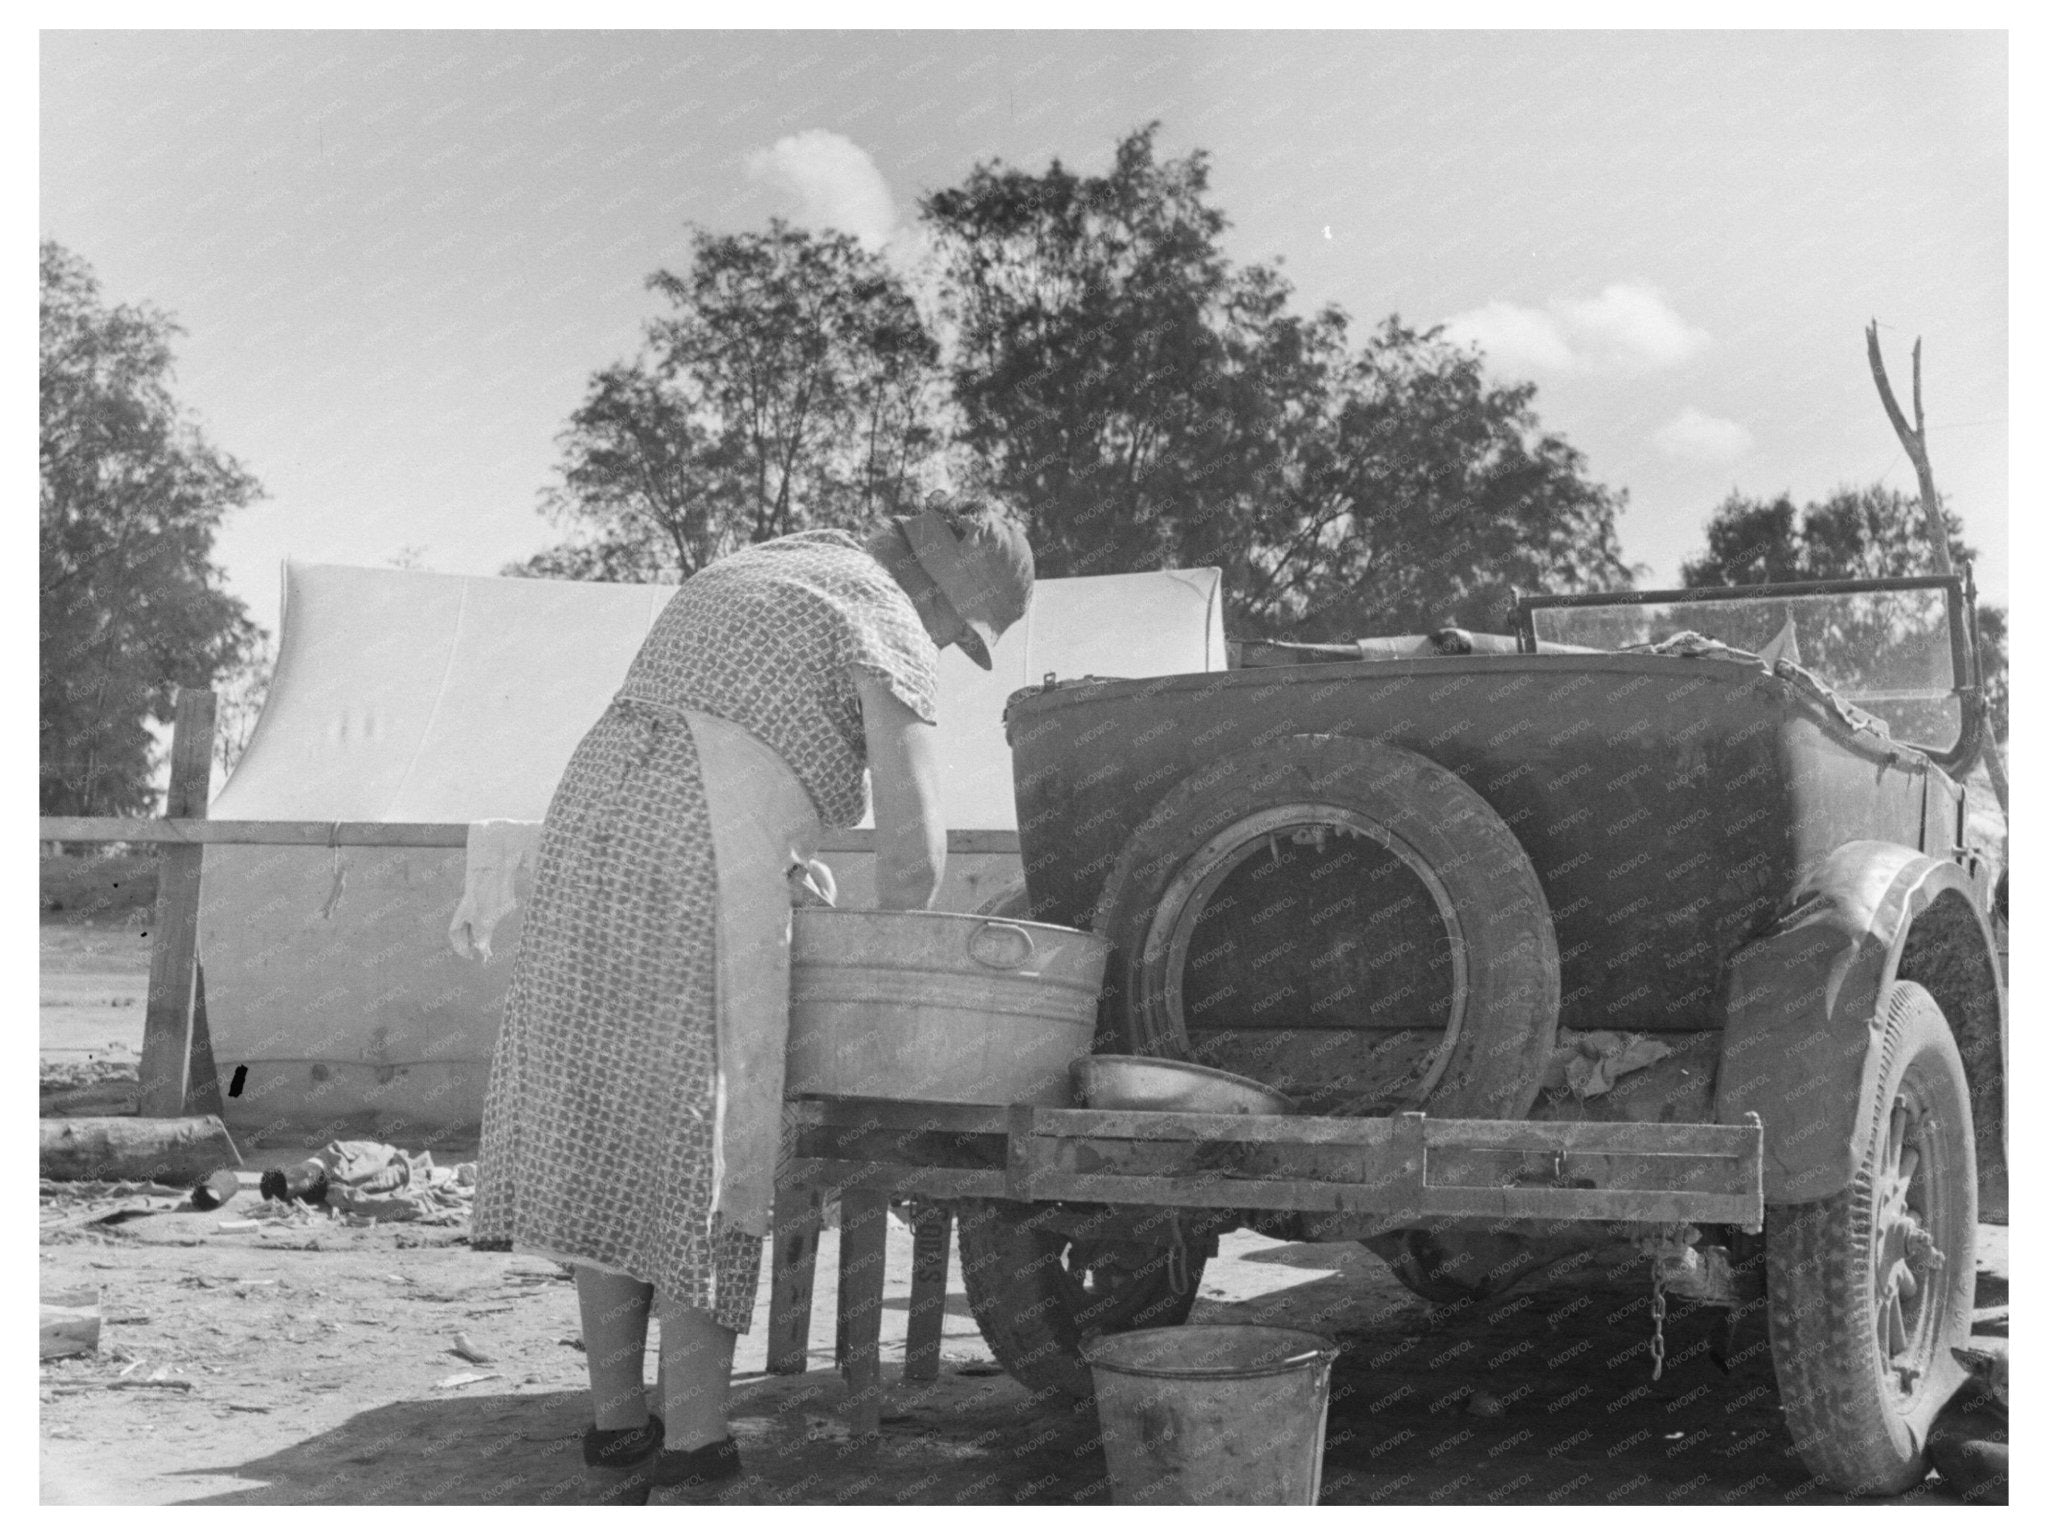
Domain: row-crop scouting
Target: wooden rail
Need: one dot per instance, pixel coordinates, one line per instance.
(188, 830)
(1407, 1164)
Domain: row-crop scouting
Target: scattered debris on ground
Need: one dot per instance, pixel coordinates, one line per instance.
(309, 1361)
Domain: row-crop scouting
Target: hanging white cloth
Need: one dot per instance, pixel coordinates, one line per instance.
(497, 867)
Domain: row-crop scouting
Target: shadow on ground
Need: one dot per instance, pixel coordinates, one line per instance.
(1542, 1396)
(961, 1439)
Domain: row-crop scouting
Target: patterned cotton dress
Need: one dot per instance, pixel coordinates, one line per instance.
(598, 1133)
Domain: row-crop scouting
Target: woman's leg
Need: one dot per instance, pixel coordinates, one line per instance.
(696, 1374)
(615, 1345)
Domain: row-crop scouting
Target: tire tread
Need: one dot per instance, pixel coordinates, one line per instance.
(1821, 1319)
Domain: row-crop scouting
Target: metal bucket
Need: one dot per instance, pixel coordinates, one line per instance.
(939, 1005)
(1212, 1414)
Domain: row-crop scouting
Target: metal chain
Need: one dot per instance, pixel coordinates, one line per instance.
(1656, 1323)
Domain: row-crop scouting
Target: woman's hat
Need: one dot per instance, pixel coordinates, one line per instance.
(987, 578)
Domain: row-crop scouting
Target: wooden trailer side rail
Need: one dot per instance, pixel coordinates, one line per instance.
(1409, 1164)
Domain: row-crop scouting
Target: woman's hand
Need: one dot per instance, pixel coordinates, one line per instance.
(910, 829)
(811, 884)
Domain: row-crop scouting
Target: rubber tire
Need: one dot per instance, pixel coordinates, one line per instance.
(1031, 1308)
(1854, 1430)
(1510, 945)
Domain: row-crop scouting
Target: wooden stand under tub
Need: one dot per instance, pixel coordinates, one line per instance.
(1351, 1175)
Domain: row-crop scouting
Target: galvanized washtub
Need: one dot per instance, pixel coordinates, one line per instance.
(943, 1006)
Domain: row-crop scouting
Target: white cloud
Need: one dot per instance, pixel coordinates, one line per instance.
(1699, 438)
(1630, 326)
(834, 182)
(1626, 328)
(1514, 337)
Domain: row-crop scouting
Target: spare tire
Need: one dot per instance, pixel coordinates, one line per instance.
(1394, 952)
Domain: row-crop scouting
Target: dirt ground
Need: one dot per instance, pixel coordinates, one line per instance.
(95, 977)
(314, 1365)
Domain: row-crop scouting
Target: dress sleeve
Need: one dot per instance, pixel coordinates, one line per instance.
(885, 637)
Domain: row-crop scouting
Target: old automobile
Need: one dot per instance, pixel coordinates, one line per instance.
(1657, 859)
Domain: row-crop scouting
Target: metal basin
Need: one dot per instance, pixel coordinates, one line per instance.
(934, 1005)
(1148, 1082)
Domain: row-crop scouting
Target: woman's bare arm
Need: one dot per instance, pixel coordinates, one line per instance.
(910, 827)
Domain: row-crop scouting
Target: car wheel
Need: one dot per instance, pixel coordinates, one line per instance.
(1871, 1289)
(1037, 1294)
(1344, 919)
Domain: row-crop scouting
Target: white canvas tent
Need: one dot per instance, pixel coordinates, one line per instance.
(408, 696)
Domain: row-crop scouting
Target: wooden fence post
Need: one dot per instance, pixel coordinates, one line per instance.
(167, 1027)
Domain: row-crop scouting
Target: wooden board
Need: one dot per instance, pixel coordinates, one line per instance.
(189, 830)
(898, 1114)
(1289, 1129)
(931, 1241)
(798, 1220)
(901, 1179)
(863, 1234)
(1408, 1167)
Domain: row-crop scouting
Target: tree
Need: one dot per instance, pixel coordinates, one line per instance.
(242, 690)
(1857, 532)
(1114, 376)
(792, 385)
(1428, 497)
(1143, 402)
(1992, 649)
(132, 495)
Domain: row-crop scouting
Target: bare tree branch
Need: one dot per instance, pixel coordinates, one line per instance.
(1914, 440)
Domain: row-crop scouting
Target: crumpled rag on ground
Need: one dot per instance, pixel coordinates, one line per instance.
(374, 1181)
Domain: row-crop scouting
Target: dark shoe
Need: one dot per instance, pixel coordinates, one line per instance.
(617, 1462)
(690, 1476)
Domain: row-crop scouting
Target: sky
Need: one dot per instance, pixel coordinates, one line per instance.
(399, 257)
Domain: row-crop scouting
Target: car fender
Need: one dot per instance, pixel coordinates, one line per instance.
(1803, 1025)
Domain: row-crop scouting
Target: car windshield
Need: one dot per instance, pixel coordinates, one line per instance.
(1887, 652)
